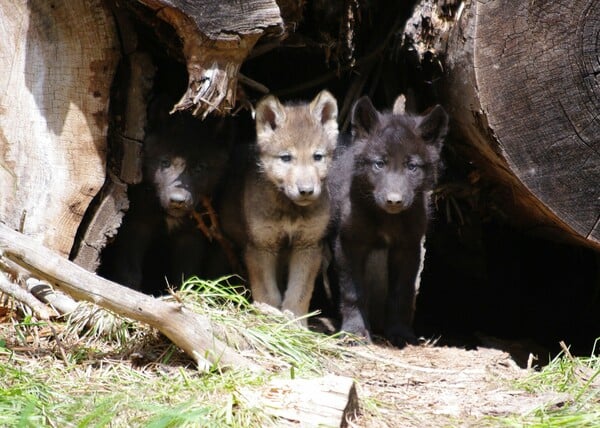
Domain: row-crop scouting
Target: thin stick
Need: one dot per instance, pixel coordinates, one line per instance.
(13, 290)
(253, 84)
(213, 231)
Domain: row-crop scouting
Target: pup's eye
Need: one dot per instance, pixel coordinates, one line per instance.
(318, 157)
(378, 164)
(165, 163)
(412, 166)
(198, 168)
(286, 157)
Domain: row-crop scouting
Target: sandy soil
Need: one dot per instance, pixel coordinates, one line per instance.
(438, 386)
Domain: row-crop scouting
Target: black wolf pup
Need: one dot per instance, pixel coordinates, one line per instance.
(380, 186)
(183, 161)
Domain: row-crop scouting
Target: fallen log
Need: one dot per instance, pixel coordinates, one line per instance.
(520, 80)
(57, 60)
(186, 329)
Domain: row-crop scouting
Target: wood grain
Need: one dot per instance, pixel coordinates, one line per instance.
(57, 60)
(520, 82)
(536, 64)
(217, 37)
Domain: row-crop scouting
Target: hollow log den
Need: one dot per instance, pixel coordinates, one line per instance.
(409, 169)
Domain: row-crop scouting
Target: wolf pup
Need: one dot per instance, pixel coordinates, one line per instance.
(183, 161)
(380, 186)
(280, 215)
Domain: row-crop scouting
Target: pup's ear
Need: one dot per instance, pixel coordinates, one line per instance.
(433, 126)
(364, 117)
(270, 115)
(399, 105)
(325, 110)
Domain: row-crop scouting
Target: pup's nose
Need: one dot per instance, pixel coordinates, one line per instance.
(394, 199)
(178, 198)
(306, 190)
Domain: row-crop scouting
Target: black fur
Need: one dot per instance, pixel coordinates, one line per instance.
(184, 159)
(379, 185)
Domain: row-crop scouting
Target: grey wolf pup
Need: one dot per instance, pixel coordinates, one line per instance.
(278, 211)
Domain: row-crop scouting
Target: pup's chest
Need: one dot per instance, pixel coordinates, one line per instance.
(384, 231)
(276, 229)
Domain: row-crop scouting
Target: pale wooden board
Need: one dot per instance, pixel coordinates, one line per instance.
(329, 401)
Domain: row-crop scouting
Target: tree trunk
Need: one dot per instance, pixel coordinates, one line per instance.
(57, 60)
(521, 86)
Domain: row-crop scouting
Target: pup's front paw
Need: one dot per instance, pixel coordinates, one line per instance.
(401, 335)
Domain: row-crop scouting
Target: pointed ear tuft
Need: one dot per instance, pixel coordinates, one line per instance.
(325, 110)
(399, 105)
(270, 115)
(324, 107)
(364, 117)
(433, 127)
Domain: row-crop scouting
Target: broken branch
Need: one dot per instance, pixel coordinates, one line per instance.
(188, 330)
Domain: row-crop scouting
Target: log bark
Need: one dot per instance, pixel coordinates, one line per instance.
(188, 330)
(106, 216)
(217, 37)
(521, 85)
(56, 65)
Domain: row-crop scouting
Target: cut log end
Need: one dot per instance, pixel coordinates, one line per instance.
(327, 401)
(523, 100)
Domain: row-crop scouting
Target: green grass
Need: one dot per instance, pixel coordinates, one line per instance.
(268, 336)
(576, 377)
(119, 395)
(98, 384)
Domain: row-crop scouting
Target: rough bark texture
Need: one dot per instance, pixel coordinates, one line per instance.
(217, 37)
(107, 215)
(103, 224)
(521, 85)
(56, 65)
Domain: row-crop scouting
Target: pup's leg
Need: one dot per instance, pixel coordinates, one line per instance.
(350, 259)
(262, 274)
(376, 281)
(303, 269)
(403, 268)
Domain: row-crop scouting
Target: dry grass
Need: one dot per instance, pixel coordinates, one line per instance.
(99, 370)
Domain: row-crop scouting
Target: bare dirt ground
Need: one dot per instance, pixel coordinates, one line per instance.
(439, 386)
